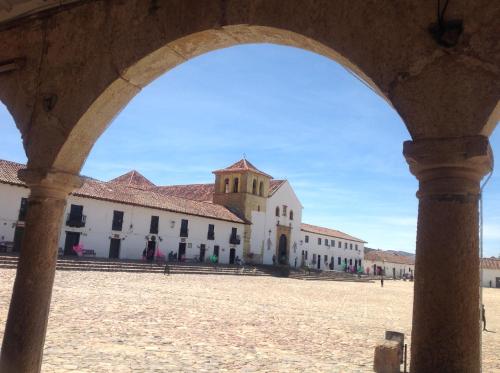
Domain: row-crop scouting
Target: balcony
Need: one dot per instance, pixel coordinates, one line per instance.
(184, 232)
(76, 221)
(234, 239)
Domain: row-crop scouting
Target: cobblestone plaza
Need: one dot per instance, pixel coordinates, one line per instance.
(120, 322)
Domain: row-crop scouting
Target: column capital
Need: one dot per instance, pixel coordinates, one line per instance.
(50, 183)
(449, 168)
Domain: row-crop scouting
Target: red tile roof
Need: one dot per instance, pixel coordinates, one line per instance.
(328, 232)
(8, 172)
(490, 263)
(133, 179)
(196, 192)
(121, 192)
(202, 192)
(242, 166)
(274, 185)
(380, 256)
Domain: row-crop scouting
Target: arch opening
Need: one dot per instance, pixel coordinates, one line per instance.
(109, 103)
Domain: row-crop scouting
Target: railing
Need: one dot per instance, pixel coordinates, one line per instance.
(234, 240)
(184, 232)
(76, 221)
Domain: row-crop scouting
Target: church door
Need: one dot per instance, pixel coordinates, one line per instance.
(282, 250)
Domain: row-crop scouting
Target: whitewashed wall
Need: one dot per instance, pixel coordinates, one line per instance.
(283, 196)
(136, 223)
(490, 275)
(400, 269)
(10, 202)
(350, 250)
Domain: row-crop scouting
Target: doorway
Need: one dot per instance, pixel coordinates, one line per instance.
(319, 261)
(282, 250)
(18, 239)
(498, 282)
(232, 255)
(114, 248)
(202, 252)
(216, 252)
(72, 239)
(182, 251)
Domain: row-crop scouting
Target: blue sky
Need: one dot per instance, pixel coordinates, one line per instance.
(295, 115)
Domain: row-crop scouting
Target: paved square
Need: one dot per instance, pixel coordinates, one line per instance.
(119, 322)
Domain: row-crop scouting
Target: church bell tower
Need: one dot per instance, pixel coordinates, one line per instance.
(242, 188)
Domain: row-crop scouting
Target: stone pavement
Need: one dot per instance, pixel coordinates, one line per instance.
(122, 322)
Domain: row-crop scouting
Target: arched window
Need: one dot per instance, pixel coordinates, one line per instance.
(291, 214)
(261, 189)
(226, 185)
(235, 185)
(254, 187)
(277, 211)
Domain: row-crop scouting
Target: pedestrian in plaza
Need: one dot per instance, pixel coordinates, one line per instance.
(274, 260)
(382, 281)
(483, 317)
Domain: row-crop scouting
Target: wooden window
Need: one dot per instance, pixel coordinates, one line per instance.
(340, 244)
(211, 232)
(153, 226)
(350, 246)
(75, 217)
(234, 239)
(184, 228)
(319, 240)
(332, 243)
(277, 211)
(117, 221)
(291, 214)
(23, 209)
(307, 239)
(284, 210)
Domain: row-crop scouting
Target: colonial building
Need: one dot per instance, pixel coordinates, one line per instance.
(378, 262)
(245, 213)
(490, 272)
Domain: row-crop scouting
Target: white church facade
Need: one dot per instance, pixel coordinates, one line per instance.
(245, 214)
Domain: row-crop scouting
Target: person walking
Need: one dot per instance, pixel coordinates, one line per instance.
(382, 281)
(483, 317)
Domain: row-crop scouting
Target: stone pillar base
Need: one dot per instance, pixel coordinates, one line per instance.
(386, 358)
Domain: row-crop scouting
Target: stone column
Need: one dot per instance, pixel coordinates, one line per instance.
(445, 333)
(24, 337)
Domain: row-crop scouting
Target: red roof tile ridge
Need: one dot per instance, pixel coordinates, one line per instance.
(242, 165)
(328, 232)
